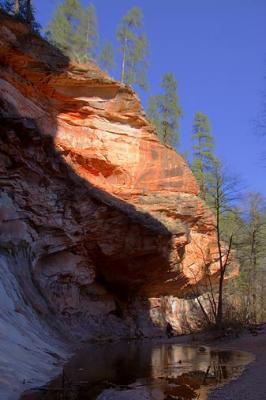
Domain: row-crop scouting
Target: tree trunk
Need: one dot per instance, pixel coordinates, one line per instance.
(254, 273)
(124, 61)
(223, 265)
(29, 16)
(17, 7)
(165, 136)
(219, 316)
(88, 39)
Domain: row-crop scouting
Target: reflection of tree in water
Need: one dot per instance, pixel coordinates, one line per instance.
(222, 356)
(180, 372)
(219, 359)
(221, 366)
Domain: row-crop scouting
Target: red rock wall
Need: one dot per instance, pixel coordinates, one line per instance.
(109, 212)
(98, 219)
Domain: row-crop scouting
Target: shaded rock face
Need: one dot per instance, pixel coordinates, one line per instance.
(110, 218)
(109, 213)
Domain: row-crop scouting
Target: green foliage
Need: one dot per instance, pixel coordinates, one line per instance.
(62, 29)
(62, 25)
(204, 161)
(164, 111)
(231, 224)
(133, 48)
(74, 30)
(87, 34)
(154, 115)
(106, 59)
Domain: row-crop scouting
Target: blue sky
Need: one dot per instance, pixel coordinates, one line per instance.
(217, 51)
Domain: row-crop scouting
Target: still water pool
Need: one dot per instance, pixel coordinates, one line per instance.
(142, 371)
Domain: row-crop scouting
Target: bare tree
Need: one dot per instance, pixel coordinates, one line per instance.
(222, 198)
(252, 254)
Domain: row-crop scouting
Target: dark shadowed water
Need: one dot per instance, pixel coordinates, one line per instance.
(142, 370)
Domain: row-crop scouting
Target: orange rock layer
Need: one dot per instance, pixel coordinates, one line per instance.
(109, 213)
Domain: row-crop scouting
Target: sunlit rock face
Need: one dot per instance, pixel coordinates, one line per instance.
(110, 217)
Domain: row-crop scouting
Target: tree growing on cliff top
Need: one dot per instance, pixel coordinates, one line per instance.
(61, 30)
(29, 17)
(9, 6)
(204, 161)
(22, 9)
(106, 58)
(133, 48)
(87, 33)
(164, 111)
(74, 30)
(12, 7)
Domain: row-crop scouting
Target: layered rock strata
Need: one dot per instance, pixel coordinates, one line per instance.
(98, 220)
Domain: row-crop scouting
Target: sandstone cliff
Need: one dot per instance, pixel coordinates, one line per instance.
(98, 220)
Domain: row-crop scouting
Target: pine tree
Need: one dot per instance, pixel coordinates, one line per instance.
(74, 30)
(153, 114)
(133, 47)
(8, 6)
(12, 7)
(62, 26)
(92, 31)
(87, 34)
(203, 156)
(22, 9)
(29, 18)
(164, 111)
(17, 7)
(106, 59)
(61, 29)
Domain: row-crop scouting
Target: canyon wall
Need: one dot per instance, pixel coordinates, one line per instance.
(102, 231)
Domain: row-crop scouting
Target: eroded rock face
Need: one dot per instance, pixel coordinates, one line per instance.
(100, 200)
(110, 217)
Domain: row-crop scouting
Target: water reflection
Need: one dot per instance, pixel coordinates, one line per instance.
(142, 371)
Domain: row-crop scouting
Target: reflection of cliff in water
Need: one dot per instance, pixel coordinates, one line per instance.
(169, 370)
